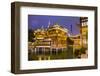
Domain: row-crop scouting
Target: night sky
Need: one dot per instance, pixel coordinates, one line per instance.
(38, 21)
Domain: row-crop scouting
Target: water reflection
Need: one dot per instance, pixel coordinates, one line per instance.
(47, 54)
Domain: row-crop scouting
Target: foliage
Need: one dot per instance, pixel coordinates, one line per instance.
(31, 35)
(78, 52)
(69, 41)
(83, 50)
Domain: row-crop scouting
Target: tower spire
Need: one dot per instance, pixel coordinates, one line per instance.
(42, 27)
(49, 24)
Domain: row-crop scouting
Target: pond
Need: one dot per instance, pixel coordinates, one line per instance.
(66, 53)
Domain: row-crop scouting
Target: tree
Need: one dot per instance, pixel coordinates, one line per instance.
(31, 35)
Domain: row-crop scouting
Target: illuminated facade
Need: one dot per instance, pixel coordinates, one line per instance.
(58, 35)
(53, 38)
(77, 41)
(84, 31)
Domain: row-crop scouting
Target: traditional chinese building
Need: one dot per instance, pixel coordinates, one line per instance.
(77, 41)
(81, 40)
(56, 38)
(53, 38)
(58, 35)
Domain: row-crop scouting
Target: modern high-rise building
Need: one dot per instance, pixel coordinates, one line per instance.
(84, 31)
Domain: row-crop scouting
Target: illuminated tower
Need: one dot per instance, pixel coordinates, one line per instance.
(84, 31)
